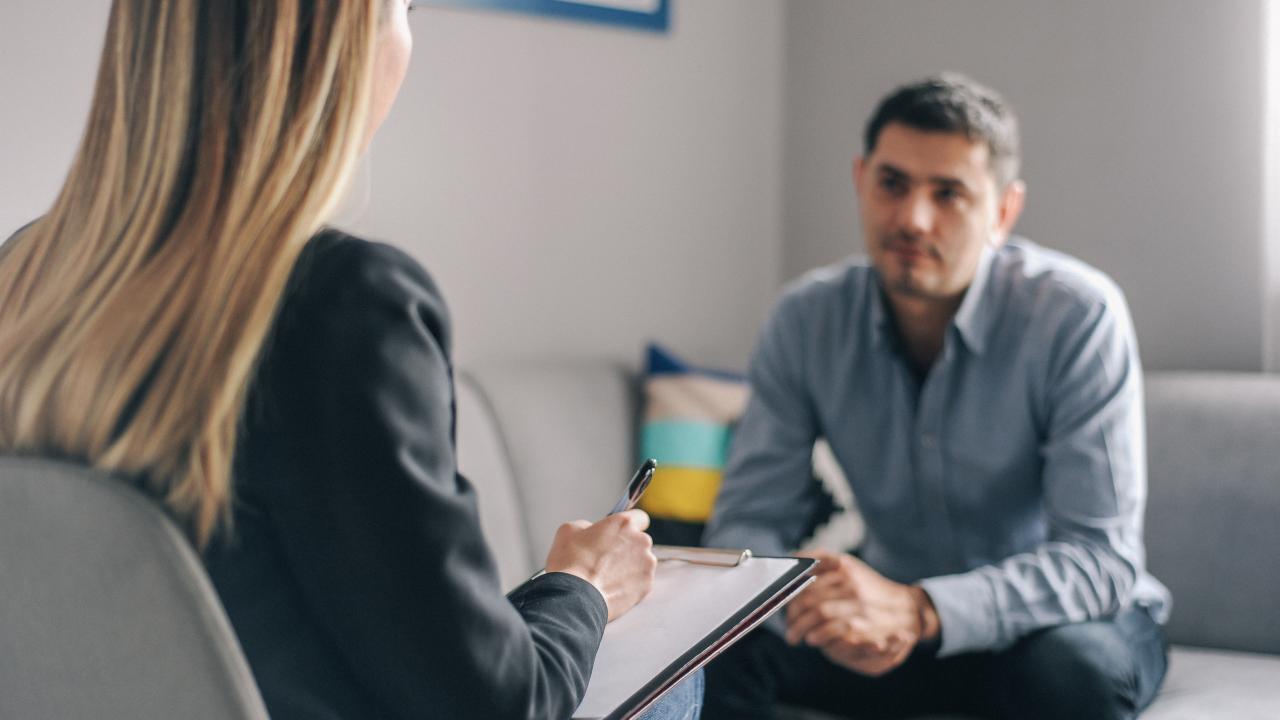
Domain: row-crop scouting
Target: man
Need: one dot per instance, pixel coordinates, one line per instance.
(984, 399)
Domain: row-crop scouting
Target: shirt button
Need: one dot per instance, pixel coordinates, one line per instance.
(929, 441)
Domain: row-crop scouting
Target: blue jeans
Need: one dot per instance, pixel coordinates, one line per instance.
(1101, 670)
(684, 702)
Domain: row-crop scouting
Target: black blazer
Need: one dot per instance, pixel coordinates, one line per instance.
(355, 573)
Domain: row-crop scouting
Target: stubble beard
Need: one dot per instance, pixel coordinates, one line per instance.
(902, 278)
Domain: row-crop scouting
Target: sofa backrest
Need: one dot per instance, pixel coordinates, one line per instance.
(484, 460)
(1213, 511)
(566, 431)
(1214, 478)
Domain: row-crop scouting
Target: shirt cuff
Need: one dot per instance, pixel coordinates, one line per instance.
(966, 612)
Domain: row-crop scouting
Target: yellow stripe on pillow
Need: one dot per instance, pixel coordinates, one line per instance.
(682, 493)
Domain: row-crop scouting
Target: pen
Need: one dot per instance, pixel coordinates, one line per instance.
(630, 495)
(639, 483)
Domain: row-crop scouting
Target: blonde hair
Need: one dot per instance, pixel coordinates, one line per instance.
(132, 314)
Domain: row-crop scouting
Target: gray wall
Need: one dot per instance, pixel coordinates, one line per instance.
(1271, 193)
(574, 188)
(578, 189)
(1142, 124)
(48, 55)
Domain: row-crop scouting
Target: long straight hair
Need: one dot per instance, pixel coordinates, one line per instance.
(132, 314)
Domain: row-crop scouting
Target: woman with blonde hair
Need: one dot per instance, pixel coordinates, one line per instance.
(180, 318)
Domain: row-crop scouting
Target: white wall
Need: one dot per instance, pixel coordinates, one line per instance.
(574, 188)
(1142, 128)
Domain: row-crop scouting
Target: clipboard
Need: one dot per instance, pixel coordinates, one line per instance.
(695, 611)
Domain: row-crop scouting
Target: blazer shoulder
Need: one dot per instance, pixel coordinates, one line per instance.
(356, 265)
(341, 275)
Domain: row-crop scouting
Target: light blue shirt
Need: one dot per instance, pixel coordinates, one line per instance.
(1010, 482)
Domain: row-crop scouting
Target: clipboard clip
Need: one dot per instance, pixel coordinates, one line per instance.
(719, 557)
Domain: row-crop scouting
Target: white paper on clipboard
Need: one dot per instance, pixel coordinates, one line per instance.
(687, 608)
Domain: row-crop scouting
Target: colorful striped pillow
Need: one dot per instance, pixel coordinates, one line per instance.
(689, 415)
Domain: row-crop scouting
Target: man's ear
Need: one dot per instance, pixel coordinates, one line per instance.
(859, 165)
(1010, 205)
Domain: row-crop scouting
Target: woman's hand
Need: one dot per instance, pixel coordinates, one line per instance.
(615, 555)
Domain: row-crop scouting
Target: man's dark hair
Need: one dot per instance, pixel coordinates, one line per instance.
(953, 103)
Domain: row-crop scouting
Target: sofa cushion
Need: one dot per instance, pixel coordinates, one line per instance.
(1211, 531)
(1200, 684)
(1218, 684)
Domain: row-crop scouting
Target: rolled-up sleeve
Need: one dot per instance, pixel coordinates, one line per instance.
(1094, 494)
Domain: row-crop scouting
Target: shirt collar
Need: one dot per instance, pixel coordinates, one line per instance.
(884, 335)
(973, 319)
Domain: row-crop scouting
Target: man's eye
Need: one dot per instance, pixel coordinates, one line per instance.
(893, 186)
(947, 196)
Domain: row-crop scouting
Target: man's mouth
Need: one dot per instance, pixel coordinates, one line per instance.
(912, 253)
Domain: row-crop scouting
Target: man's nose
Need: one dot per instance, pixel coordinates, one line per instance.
(916, 213)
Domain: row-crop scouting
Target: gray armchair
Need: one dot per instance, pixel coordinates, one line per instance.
(105, 610)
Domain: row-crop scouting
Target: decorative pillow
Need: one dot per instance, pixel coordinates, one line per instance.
(689, 414)
(689, 417)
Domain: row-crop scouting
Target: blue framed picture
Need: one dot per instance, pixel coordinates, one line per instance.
(651, 15)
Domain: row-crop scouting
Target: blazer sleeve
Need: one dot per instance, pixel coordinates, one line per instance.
(380, 530)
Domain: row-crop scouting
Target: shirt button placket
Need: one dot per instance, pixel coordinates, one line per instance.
(929, 461)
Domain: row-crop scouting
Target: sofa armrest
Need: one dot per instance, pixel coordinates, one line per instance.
(1214, 496)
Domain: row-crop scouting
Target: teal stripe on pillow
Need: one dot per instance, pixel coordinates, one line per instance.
(685, 443)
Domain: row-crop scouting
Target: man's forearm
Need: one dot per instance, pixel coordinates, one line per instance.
(990, 607)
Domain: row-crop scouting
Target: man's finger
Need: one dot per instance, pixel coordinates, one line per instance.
(800, 625)
(820, 590)
(818, 615)
(850, 648)
(835, 630)
(831, 585)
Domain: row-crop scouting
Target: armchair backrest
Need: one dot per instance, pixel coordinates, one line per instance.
(105, 610)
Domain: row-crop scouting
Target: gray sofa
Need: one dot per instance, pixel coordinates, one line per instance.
(550, 442)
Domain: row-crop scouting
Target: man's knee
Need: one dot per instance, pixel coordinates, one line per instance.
(1072, 671)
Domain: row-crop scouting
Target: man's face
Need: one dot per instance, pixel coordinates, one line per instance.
(929, 204)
